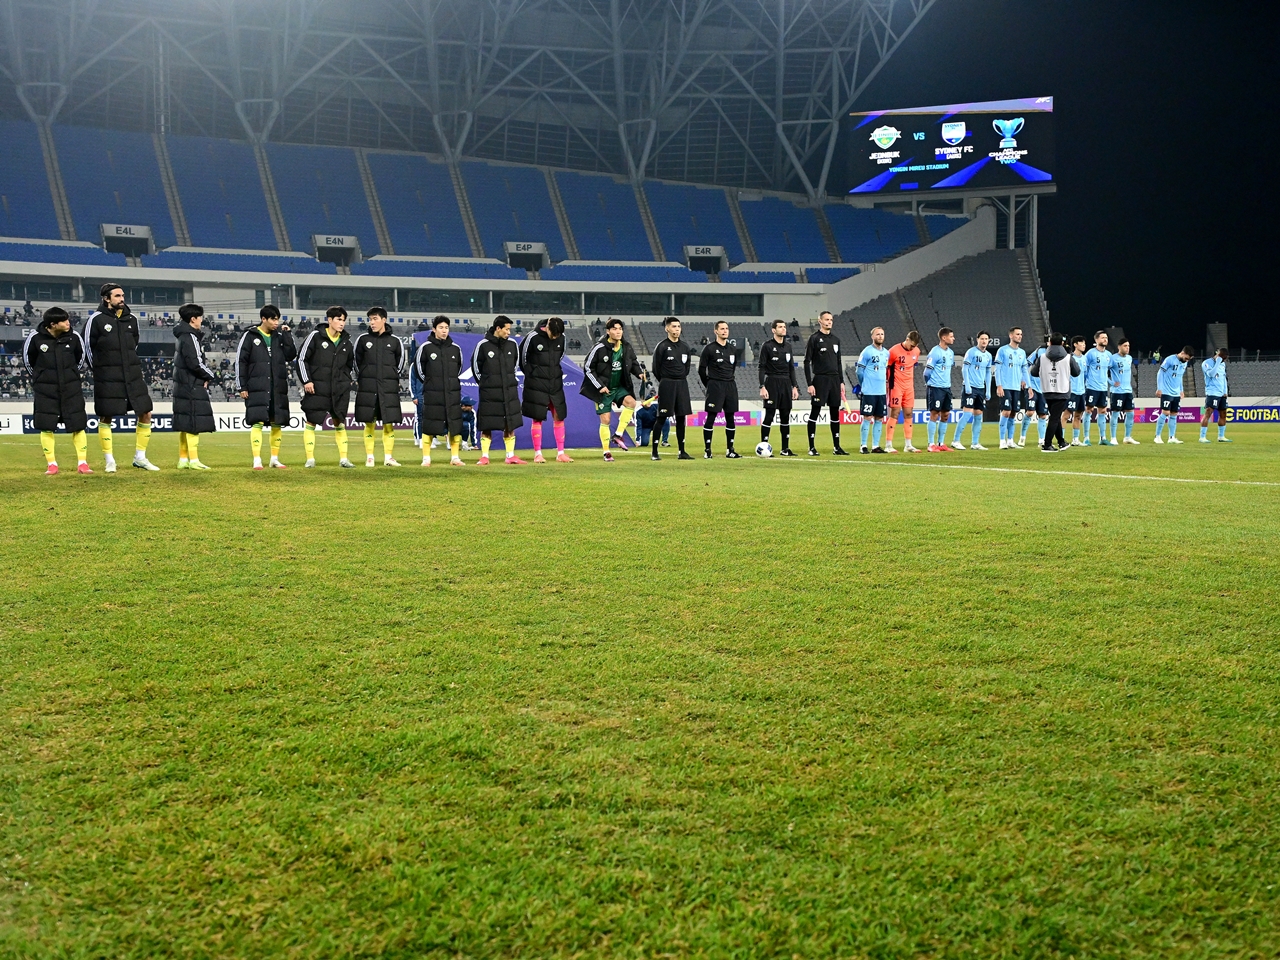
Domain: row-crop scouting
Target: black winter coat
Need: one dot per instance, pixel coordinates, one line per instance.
(54, 365)
(379, 358)
(192, 410)
(326, 365)
(543, 378)
(264, 373)
(111, 345)
(439, 367)
(493, 363)
(597, 369)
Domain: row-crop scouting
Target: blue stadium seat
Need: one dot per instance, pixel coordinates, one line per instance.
(24, 185)
(221, 193)
(60, 253)
(782, 232)
(604, 216)
(870, 236)
(511, 204)
(940, 225)
(830, 274)
(112, 177)
(378, 267)
(320, 191)
(624, 274)
(419, 206)
(762, 276)
(179, 259)
(688, 216)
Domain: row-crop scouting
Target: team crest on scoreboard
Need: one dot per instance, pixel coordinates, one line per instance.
(886, 136)
(953, 133)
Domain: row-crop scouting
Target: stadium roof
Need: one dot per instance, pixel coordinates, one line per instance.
(732, 92)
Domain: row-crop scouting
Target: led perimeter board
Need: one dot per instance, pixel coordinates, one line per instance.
(1000, 145)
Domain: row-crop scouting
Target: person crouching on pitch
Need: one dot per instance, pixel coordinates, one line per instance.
(192, 408)
(377, 363)
(262, 379)
(437, 367)
(608, 380)
(494, 363)
(324, 367)
(54, 357)
(110, 339)
(716, 369)
(540, 356)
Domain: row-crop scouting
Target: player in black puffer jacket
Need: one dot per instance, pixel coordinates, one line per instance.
(324, 367)
(379, 358)
(262, 380)
(192, 409)
(540, 356)
(54, 357)
(111, 349)
(437, 369)
(494, 363)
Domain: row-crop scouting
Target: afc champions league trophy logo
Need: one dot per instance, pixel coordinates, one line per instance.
(1008, 129)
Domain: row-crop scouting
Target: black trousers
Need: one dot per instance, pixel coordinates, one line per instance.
(1056, 409)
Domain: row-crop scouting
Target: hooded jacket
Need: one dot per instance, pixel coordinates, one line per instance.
(326, 365)
(262, 369)
(540, 358)
(597, 369)
(192, 409)
(111, 351)
(54, 365)
(379, 358)
(438, 368)
(494, 363)
(1055, 368)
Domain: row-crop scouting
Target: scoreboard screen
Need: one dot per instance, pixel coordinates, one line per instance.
(964, 146)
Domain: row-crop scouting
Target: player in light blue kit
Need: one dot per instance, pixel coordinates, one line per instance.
(1075, 403)
(976, 372)
(1121, 376)
(1037, 406)
(1097, 366)
(873, 382)
(937, 382)
(1215, 395)
(1169, 390)
(1011, 385)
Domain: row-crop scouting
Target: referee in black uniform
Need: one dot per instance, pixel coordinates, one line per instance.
(778, 386)
(825, 373)
(670, 367)
(716, 371)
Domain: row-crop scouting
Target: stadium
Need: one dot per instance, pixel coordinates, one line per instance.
(936, 699)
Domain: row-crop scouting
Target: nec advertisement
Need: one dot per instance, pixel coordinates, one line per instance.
(965, 146)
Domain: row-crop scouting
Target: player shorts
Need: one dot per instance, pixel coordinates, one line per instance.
(779, 398)
(938, 399)
(722, 395)
(1216, 403)
(673, 399)
(1013, 401)
(1122, 402)
(1037, 404)
(974, 400)
(1075, 403)
(614, 399)
(826, 390)
(904, 397)
(1170, 404)
(1095, 398)
(876, 406)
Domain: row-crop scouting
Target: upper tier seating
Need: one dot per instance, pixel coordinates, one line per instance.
(604, 217)
(60, 253)
(112, 177)
(511, 204)
(870, 236)
(177, 258)
(686, 215)
(762, 276)
(24, 185)
(478, 270)
(781, 232)
(830, 274)
(628, 274)
(419, 206)
(320, 191)
(221, 193)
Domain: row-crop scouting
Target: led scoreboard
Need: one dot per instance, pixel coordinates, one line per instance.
(964, 146)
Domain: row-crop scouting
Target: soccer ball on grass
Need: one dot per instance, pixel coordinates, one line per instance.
(764, 450)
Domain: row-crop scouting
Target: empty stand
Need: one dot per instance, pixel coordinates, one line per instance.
(320, 191)
(419, 206)
(781, 232)
(60, 253)
(221, 193)
(624, 273)
(761, 276)
(479, 270)
(870, 236)
(179, 259)
(112, 177)
(604, 216)
(830, 274)
(511, 204)
(939, 225)
(27, 205)
(691, 216)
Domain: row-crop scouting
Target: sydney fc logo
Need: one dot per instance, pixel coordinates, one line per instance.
(953, 133)
(885, 137)
(1008, 129)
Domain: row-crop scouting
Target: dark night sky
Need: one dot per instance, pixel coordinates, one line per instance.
(1167, 212)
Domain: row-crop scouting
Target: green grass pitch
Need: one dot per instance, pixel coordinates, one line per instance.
(832, 708)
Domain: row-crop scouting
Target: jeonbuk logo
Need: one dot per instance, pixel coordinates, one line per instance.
(953, 133)
(885, 137)
(1008, 129)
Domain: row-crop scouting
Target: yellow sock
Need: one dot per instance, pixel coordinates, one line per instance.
(368, 440)
(604, 437)
(104, 436)
(426, 448)
(255, 440)
(182, 447)
(47, 443)
(624, 420)
(455, 446)
(485, 443)
(275, 439)
(142, 438)
(309, 440)
(80, 440)
(510, 444)
(340, 438)
(193, 445)
(388, 439)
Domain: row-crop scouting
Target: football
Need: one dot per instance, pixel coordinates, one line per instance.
(764, 450)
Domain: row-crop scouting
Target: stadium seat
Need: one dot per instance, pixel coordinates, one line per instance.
(221, 193)
(762, 276)
(112, 177)
(870, 236)
(419, 206)
(320, 191)
(27, 204)
(479, 270)
(510, 204)
(604, 217)
(940, 225)
(782, 232)
(830, 274)
(61, 253)
(627, 274)
(178, 259)
(686, 215)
